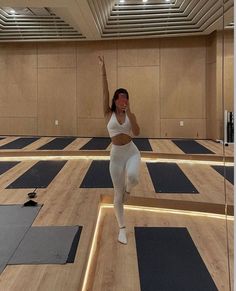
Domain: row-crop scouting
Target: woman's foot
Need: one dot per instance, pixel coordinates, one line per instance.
(122, 235)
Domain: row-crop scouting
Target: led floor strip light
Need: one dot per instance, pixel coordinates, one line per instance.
(140, 208)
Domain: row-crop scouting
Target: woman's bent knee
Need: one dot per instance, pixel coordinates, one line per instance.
(133, 180)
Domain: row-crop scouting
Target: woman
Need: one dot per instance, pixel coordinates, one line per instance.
(124, 157)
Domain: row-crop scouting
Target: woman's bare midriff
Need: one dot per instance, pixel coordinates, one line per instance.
(121, 139)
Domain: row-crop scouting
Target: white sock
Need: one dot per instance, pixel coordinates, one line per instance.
(122, 236)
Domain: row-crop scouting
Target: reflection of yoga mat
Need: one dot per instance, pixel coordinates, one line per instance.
(39, 176)
(58, 143)
(97, 143)
(228, 173)
(191, 147)
(168, 260)
(5, 166)
(97, 176)
(169, 178)
(19, 143)
(48, 245)
(15, 220)
(142, 144)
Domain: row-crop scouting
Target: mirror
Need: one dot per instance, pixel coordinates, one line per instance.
(175, 58)
(180, 83)
(228, 107)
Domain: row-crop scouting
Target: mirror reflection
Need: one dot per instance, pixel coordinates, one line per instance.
(153, 161)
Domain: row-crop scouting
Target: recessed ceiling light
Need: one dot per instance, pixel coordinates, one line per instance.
(122, 1)
(144, 1)
(168, 0)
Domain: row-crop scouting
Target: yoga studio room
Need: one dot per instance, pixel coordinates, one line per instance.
(117, 145)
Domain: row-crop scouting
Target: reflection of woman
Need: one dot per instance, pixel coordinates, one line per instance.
(125, 157)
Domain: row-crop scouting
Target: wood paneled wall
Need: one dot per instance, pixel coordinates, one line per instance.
(229, 70)
(18, 89)
(170, 81)
(138, 71)
(183, 83)
(211, 104)
(219, 85)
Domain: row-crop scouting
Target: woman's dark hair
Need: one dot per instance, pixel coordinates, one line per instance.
(116, 95)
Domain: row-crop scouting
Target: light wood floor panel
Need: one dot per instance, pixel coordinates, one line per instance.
(165, 146)
(11, 175)
(7, 140)
(116, 264)
(37, 144)
(207, 181)
(157, 145)
(64, 203)
(218, 148)
(69, 209)
(230, 230)
(77, 144)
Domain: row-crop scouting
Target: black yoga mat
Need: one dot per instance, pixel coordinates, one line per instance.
(97, 176)
(142, 144)
(19, 143)
(48, 245)
(2, 138)
(169, 178)
(191, 147)
(228, 172)
(168, 260)
(38, 176)
(58, 143)
(5, 166)
(97, 143)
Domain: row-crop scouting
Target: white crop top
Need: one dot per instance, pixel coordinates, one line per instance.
(115, 128)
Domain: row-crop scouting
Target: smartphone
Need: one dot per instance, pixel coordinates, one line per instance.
(122, 101)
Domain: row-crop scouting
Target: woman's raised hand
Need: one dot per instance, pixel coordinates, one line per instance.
(102, 64)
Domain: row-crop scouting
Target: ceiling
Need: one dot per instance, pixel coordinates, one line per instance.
(111, 19)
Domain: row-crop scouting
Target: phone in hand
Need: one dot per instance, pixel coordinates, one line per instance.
(122, 101)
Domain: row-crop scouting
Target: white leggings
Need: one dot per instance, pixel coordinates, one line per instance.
(124, 170)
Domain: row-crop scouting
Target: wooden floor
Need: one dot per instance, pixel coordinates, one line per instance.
(115, 266)
(157, 145)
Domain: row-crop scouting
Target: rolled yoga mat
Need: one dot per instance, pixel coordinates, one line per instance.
(19, 143)
(97, 176)
(97, 143)
(58, 143)
(168, 260)
(38, 176)
(191, 147)
(169, 178)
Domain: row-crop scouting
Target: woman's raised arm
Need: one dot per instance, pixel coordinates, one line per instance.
(106, 107)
